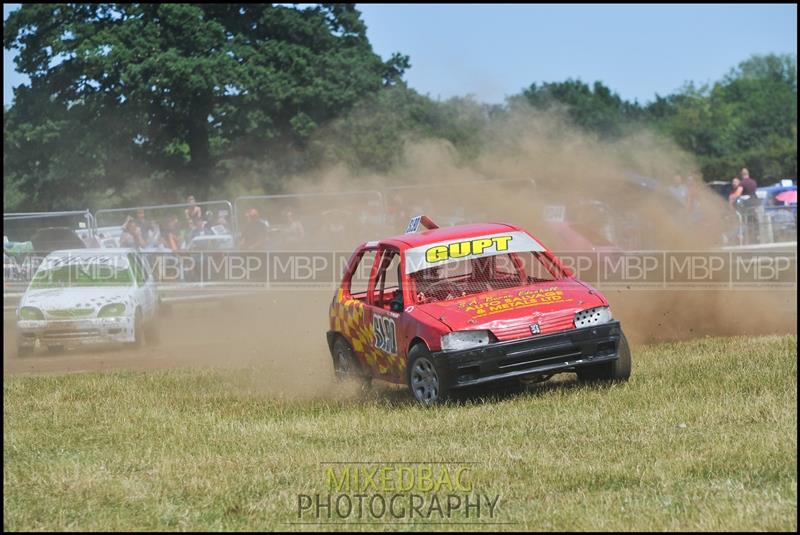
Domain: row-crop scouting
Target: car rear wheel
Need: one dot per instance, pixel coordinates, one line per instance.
(618, 370)
(424, 381)
(345, 364)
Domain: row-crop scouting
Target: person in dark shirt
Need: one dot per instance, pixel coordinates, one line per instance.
(749, 185)
(131, 235)
(749, 207)
(254, 233)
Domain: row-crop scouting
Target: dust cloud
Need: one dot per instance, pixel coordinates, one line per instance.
(533, 170)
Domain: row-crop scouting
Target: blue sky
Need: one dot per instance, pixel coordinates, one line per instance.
(492, 51)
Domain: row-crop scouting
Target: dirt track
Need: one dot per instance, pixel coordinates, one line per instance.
(283, 334)
(247, 332)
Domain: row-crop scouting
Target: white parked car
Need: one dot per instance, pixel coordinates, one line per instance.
(85, 296)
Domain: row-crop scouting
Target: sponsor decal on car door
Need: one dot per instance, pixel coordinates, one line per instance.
(383, 357)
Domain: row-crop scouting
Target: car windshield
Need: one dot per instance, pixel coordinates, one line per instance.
(467, 277)
(82, 270)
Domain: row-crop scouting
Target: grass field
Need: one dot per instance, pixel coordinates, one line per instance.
(703, 437)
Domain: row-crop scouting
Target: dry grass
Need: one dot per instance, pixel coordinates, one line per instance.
(703, 437)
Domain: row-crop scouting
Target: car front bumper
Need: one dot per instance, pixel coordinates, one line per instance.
(538, 355)
(75, 332)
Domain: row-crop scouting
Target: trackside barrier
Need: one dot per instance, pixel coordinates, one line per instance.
(21, 226)
(316, 221)
(766, 225)
(21, 261)
(109, 220)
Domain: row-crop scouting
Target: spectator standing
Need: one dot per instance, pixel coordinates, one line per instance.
(294, 230)
(749, 207)
(254, 233)
(736, 190)
(131, 235)
(193, 211)
(749, 185)
(170, 234)
(145, 226)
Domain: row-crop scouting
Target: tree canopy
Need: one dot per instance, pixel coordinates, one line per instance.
(597, 108)
(121, 89)
(128, 101)
(749, 118)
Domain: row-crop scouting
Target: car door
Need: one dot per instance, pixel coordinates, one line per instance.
(349, 308)
(383, 355)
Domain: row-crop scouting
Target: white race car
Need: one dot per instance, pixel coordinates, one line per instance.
(86, 296)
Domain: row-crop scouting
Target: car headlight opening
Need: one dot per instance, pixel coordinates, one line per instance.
(593, 316)
(30, 313)
(459, 340)
(112, 311)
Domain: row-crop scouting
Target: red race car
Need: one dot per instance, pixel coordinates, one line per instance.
(460, 306)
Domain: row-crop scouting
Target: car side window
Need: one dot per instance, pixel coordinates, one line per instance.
(387, 280)
(359, 280)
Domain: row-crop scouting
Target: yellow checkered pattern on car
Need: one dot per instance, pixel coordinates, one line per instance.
(349, 317)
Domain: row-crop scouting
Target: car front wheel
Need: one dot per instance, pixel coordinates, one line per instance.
(618, 370)
(426, 384)
(138, 330)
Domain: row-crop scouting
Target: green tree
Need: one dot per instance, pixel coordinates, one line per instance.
(118, 90)
(749, 118)
(596, 108)
(372, 136)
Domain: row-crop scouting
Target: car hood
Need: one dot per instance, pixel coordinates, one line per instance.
(510, 313)
(76, 297)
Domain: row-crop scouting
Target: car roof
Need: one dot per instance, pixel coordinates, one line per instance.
(405, 241)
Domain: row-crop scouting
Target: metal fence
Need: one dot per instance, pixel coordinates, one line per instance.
(22, 226)
(216, 217)
(26, 231)
(765, 225)
(315, 221)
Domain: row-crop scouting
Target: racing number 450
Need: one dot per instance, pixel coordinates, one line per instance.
(385, 333)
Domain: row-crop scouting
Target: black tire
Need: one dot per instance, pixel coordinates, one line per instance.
(425, 382)
(55, 349)
(345, 363)
(138, 330)
(619, 370)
